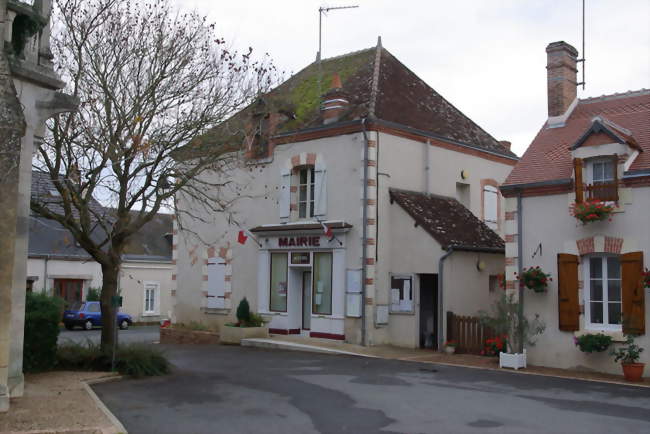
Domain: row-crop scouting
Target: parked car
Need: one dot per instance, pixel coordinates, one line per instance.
(89, 314)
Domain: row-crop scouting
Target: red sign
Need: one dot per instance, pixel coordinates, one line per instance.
(299, 241)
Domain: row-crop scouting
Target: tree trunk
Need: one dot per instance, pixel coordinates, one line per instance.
(110, 277)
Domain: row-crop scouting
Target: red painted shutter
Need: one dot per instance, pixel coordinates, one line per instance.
(632, 292)
(568, 306)
(579, 186)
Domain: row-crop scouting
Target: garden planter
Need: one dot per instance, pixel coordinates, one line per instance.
(450, 350)
(633, 371)
(515, 361)
(233, 335)
(170, 335)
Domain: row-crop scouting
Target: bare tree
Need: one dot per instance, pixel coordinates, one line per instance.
(150, 81)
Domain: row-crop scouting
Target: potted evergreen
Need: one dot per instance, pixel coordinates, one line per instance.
(248, 325)
(518, 331)
(629, 358)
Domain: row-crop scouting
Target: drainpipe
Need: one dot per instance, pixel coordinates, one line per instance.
(364, 232)
(441, 338)
(520, 267)
(47, 258)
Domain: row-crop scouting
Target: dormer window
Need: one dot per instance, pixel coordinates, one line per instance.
(601, 179)
(306, 190)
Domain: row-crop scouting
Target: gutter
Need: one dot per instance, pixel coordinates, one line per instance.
(441, 261)
(364, 232)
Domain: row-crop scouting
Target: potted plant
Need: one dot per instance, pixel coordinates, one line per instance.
(593, 343)
(629, 357)
(494, 346)
(508, 320)
(450, 347)
(248, 325)
(593, 210)
(534, 278)
(645, 278)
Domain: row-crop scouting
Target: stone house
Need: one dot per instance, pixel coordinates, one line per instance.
(588, 149)
(367, 207)
(28, 97)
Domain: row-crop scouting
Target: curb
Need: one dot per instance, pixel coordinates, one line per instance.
(293, 346)
(117, 425)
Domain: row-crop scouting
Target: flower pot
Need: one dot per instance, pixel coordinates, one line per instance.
(515, 361)
(450, 350)
(633, 371)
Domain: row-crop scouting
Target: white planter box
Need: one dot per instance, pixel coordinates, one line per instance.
(514, 361)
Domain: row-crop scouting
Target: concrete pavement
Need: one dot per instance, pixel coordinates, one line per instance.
(251, 390)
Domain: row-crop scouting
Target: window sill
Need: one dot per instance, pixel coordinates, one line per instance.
(402, 313)
(616, 335)
(150, 314)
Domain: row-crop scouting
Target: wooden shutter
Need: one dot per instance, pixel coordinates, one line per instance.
(614, 192)
(568, 305)
(579, 185)
(632, 293)
(216, 283)
(285, 195)
(320, 193)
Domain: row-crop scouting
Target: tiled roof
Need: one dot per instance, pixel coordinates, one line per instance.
(48, 237)
(385, 90)
(548, 158)
(448, 221)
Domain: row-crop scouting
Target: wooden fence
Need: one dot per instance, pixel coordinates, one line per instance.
(468, 332)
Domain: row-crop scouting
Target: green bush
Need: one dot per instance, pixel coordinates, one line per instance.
(42, 317)
(93, 294)
(593, 343)
(255, 320)
(243, 312)
(136, 359)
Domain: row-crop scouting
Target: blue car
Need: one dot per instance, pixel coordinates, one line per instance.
(89, 314)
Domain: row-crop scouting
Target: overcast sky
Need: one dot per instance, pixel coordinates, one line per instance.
(487, 57)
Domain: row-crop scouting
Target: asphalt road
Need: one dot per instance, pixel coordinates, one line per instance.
(221, 389)
(146, 334)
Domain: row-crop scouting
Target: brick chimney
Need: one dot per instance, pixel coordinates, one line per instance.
(335, 101)
(506, 144)
(561, 73)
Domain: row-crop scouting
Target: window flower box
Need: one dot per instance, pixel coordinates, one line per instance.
(593, 210)
(514, 361)
(534, 278)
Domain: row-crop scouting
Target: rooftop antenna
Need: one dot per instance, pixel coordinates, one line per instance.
(583, 47)
(323, 10)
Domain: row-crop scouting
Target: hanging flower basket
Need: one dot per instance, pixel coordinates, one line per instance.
(534, 278)
(592, 211)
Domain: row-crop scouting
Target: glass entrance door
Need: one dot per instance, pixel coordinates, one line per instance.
(306, 300)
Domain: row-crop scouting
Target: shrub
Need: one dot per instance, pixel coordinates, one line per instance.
(136, 360)
(42, 316)
(629, 354)
(243, 311)
(93, 294)
(255, 320)
(593, 343)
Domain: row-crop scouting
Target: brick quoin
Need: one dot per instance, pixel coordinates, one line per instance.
(204, 293)
(372, 222)
(311, 159)
(372, 163)
(372, 143)
(173, 293)
(586, 245)
(295, 160)
(173, 277)
(205, 277)
(211, 252)
(175, 247)
(372, 202)
(370, 261)
(510, 284)
(370, 281)
(293, 207)
(510, 261)
(581, 284)
(293, 189)
(372, 182)
(369, 300)
(228, 278)
(510, 215)
(226, 295)
(511, 238)
(370, 241)
(173, 261)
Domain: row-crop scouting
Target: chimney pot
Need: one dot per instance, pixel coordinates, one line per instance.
(506, 144)
(561, 74)
(334, 102)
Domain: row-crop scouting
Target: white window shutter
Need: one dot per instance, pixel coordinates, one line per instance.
(216, 283)
(320, 187)
(285, 195)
